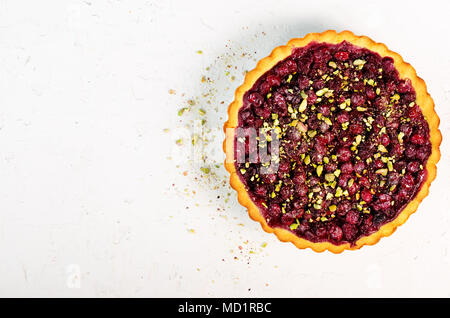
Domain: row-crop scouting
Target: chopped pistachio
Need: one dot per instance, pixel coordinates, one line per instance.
(390, 166)
(395, 98)
(329, 177)
(361, 109)
(332, 64)
(303, 105)
(312, 133)
(293, 226)
(321, 91)
(194, 139)
(359, 62)
(350, 182)
(383, 172)
(302, 127)
(319, 170)
(303, 95)
(307, 160)
(182, 110)
(382, 148)
(206, 170)
(400, 137)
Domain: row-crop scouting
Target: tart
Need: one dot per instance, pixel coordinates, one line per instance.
(332, 141)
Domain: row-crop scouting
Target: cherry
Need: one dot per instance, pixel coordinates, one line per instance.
(364, 181)
(370, 93)
(274, 210)
(357, 100)
(384, 139)
(408, 181)
(270, 178)
(301, 190)
(366, 195)
(255, 99)
(417, 139)
(286, 192)
(359, 167)
(264, 88)
(347, 168)
(343, 208)
(378, 164)
(284, 167)
(413, 166)
(350, 231)
(303, 82)
(299, 177)
(356, 128)
(343, 117)
(312, 97)
(321, 231)
(341, 56)
(344, 154)
(273, 80)
(260, 190)
(287, 219)
(335, 232)
(352, 217)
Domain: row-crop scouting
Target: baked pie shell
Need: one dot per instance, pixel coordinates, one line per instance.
(423, 99)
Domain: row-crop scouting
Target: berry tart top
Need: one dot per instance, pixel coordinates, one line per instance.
(332, 141)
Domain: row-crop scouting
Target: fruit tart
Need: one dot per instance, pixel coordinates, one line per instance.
(332, 141)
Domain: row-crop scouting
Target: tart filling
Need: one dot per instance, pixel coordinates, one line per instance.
(353, 143)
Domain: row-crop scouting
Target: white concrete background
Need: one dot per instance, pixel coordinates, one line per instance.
(91, 204)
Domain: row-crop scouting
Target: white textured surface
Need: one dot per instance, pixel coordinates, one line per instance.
(87, 202)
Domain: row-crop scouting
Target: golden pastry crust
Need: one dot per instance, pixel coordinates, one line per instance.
(423, 99)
